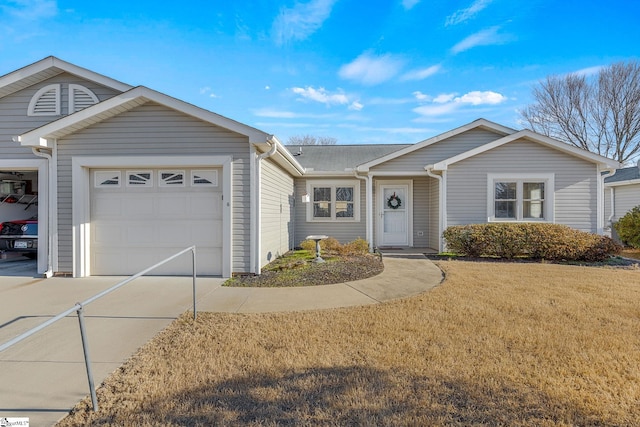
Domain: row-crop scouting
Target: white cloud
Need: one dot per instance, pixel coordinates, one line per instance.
(422, 73)
(481, 98)
(590, 71)
(444, 98)
(421, 96)
(408, 4)
(470, 12)
(356, 106)
(447, 103)
(300, 21)
(321, 95)
(486, 37)
(371, 70)
(30, 10)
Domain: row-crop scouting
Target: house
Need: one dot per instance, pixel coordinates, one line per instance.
(125, 176)
(622, 193)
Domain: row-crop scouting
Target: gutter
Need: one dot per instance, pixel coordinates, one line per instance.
(369, 198)
(442, 209)
(49, 156)
(256, 213)
(602, 174)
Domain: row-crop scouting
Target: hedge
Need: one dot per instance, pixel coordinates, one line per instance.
(628, 228)
(538, 241)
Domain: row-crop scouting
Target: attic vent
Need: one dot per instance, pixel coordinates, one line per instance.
(80, 97)
(45, 102)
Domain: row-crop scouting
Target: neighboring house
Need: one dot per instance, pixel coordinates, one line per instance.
(622, 193)
(126, 176)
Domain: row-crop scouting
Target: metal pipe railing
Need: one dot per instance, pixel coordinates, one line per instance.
(79, 308)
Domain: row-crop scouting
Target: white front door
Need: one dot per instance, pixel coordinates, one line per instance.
(393, 214)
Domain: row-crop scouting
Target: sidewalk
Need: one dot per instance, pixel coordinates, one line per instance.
(43, 377)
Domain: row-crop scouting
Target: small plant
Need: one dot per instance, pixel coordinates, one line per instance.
(628, 228)
(332, 246)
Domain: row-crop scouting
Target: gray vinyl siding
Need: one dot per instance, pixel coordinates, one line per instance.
(276, 216)
(152, 129)
(422, 200)
(343, 231)
(15, 121)
(575, 183)
(626, 198)
(434, 214)
(418, 159)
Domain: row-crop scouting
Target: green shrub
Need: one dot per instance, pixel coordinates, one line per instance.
(628, 228)
(533, 240)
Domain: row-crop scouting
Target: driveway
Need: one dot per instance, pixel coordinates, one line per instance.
(44, 376)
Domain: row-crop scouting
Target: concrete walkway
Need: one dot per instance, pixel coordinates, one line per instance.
(43, 377)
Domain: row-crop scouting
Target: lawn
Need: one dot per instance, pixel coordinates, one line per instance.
(495, 344)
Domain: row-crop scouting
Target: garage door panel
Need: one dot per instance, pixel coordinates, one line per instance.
(133, 228)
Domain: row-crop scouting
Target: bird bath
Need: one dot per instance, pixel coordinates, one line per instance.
(317, 239)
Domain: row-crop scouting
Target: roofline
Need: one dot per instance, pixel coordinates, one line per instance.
(620, 183)
(53, 62)
(479, 123)
(123, 102)
(535, 137)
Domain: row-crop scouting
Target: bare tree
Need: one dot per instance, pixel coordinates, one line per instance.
(601, 114)
(311, 140)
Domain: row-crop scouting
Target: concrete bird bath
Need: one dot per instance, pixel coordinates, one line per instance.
(317, 238)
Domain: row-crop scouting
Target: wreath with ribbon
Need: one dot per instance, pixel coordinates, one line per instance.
(394, 202)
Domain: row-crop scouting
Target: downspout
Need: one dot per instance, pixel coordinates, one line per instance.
(256, 229)
(369, 200)
(37, 151)
(612, 201)
(441, 205)
(602, 174)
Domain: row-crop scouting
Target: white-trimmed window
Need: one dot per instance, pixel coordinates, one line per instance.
(140, 178)
(333, 200)
(171, 178)
(204, 178)
(107, 179)
(519, 197)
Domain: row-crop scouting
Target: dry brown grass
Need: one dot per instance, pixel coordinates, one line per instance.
(495, 344)
(631, 253)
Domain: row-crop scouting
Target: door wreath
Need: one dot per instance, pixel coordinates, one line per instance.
(394, 202)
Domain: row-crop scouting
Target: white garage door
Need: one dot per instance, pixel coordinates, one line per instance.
(140, 217)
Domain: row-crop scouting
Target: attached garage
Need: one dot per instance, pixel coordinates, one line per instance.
(142, 216)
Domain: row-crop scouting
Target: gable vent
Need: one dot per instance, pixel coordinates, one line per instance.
(80, 98)
(45, 102)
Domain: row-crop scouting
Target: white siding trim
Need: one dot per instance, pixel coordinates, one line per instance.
(550, 189)
(80, 166)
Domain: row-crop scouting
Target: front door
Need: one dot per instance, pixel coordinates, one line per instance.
(393, 208)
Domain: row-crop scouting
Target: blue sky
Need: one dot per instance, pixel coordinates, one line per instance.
(396, 71)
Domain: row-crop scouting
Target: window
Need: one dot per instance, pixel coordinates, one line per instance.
(520, 198)
(107, 179)
(139, 179)
(333, 201)
(171, 178)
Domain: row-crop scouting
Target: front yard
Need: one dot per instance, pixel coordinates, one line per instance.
(495, 344)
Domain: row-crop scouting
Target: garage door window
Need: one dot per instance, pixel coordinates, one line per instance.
(109, 179)
(171, 178)
(139, 179)
(204, 178)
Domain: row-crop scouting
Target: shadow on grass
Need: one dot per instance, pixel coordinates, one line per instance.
(353, 396)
